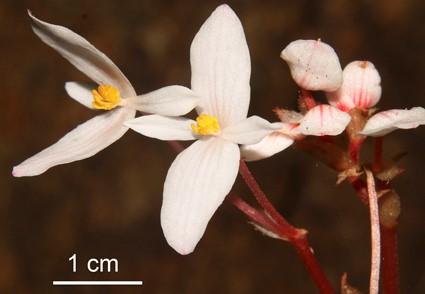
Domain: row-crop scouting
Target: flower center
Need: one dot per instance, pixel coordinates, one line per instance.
(206, 125)
(106, 97)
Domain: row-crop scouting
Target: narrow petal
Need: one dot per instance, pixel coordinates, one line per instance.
(385, 122)
(82, 142)
(221, 67)
(361, 87)
(81, 93)
(197, 183)
(324, 120)
(269, 146)
(83, 55)
(169, 101)
(249, 131)
(314, 65)
(163, 127)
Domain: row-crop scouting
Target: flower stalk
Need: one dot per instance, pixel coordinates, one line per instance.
(297, 237)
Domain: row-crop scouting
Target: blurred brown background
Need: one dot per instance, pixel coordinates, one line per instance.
(108, 205)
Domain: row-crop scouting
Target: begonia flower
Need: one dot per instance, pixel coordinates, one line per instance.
(361, 87)
(202, 175)
(321, 120)
(114, 94)
(314, 65)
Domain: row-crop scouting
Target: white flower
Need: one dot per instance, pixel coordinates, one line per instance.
(321, 120)
(385, 122)
(314, 65)
(114, 93)
(361, 87)
(202, 175)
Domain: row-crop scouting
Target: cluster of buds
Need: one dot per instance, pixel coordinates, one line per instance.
(352, 94)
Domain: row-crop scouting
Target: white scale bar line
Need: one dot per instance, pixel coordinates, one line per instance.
(98, 283)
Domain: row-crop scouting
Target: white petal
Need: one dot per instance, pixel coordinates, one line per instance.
(81, 93)
(83, 55)
(221, 67)
(385, 122)
(82, 142)
(324, 120)
(170, 101)
(197, 183)
(249, 131)
(361, 87)
(269, 146)
(314, 65)
(163, 127)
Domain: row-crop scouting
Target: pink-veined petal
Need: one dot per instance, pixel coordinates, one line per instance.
(385, 122)
(163, 127)
(314, 65)
(361, 87)
(169, 101)
(221, 67)
(82, 142)
(83, 55)
(268, 146)
(324, 120)
(81, 92)
(249, 131)
(197, 183)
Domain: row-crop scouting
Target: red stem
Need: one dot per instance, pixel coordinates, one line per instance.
(305, 252)
(262, 199)
(297, 237)
(390, 273)
(253, 214)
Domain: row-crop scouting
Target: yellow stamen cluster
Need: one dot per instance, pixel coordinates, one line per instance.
(106, 97)
(206, 125)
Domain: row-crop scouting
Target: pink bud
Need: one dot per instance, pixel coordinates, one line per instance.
(314, 65)
(361, 87)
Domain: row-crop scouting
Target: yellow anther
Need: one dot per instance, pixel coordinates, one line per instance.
(106, 97)
(206, 125)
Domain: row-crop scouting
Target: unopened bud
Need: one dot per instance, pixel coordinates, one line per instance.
(361, 87)
(314, 65)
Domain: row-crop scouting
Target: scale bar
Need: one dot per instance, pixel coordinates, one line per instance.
(97, 283)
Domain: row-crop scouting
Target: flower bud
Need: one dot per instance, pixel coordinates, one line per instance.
(361, 87)
(314, 65)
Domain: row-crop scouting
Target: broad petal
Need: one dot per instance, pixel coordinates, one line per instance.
(82, 142)
(197, 183)
(324, 120)
(83, 55)
(361, 87)
(163, 127)
(169, 101)
(269, 146)
(81, 93)
(249, 131)
(221, 67)
(314, 65)
(385, 122)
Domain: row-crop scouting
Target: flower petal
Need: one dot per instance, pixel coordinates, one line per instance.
(197, 183)
(221, 67)
(324, 120)
(169, 101)
(314, 65)
(163, 127)
(361, 87)
(269, 146)
(81, 93)
(385, 122)
(249, 131)
(83, 55)
(82, 142)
